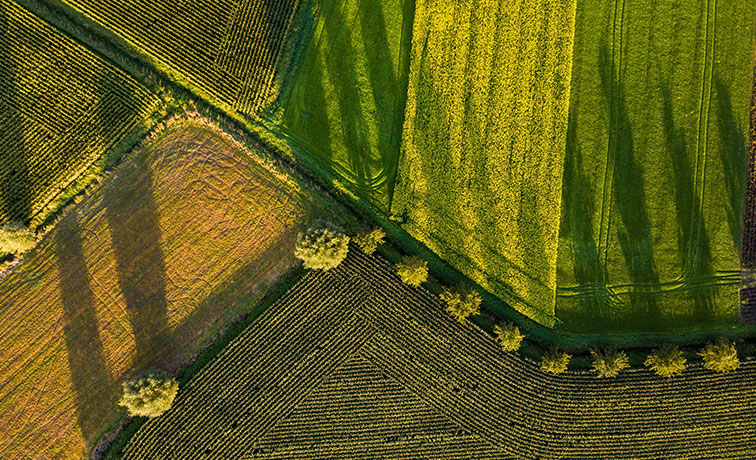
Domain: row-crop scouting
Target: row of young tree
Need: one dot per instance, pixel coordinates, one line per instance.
(325, 246)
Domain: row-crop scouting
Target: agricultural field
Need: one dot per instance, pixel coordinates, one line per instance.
(227, 49)
(181, 238)
(61, 109)
(655, 166)
(353, 363)
(346, 104)
(748, 247)
(480, 170)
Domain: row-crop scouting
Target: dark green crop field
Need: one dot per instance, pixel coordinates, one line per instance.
(655, 165)
(346, 105)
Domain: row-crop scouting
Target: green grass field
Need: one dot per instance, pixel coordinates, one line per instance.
(655, 165)
(480, 172)
(346, 103)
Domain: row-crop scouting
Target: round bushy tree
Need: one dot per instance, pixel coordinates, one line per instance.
(666, 361)
(16, 238)
(412, 270)
(555, 362)
(369, 241)
(509, 336)
(609, 363)
(322, 246)
(720, 356)
(149, 396)
(461, 302)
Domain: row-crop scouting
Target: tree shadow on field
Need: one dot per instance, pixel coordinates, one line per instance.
(86, 359)
(734, 155)
(137, 241)
(694, 247)
(340, 66)
(629, 196)
(578, 209)
(15, 192)
(382, 78)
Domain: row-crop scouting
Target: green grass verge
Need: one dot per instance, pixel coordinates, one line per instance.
(655, 165)
(480, 173)
(345, 106)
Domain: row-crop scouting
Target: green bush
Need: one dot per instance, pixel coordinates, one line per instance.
(461, 302)
(412, 270)
(149, 396)
(369, 241)
(555, 362)
(509, 336)
(322, 246)
(16, 238)
(720, 356)
(666, 361)
(609, 363)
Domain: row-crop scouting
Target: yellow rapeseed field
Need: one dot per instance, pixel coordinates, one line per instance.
(480, 171)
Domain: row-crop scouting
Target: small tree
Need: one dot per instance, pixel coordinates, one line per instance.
(666, 361)
(461, 302)
(16, 238)
(369, 241)
(322, 246)
(609, 363)
(720, 356)
(412, 270)
(149, 396)
(555, 362)
(509, 336)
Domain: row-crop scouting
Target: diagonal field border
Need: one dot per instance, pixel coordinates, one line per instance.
(456, 369)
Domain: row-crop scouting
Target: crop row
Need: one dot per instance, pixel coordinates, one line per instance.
(260, 376)
(461, 372)
(353, 361)
(227, 48)
(62, 108)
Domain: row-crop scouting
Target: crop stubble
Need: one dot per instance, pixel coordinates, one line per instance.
(141, 273)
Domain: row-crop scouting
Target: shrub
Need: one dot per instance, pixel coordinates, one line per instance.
(555, 362)
(461, 302)
(720, 356)
(412, 270)
(149, 396)
(609, 363)
(16, 238)
(369, 241)
(322, 246)
(509, 336)
(666, 361)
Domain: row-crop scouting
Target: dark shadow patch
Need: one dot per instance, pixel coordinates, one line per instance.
(341, 67)
(137, 243)
(694, 247)
(734, 158)
(86, 358)
(634, 237)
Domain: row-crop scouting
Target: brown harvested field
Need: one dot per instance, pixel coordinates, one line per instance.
(141, 273)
